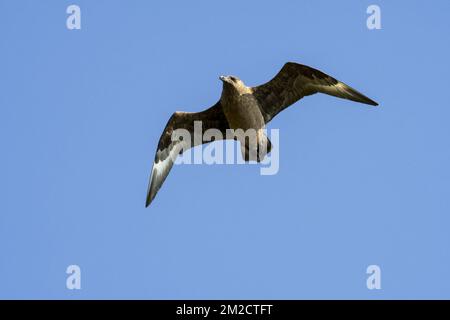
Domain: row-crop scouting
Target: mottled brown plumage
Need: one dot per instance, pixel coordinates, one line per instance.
(242, 107)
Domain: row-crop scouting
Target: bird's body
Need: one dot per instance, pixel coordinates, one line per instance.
(243, 112)
(240, 106)
(246, 109)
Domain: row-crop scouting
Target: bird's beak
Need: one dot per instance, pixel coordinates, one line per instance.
(223, 78)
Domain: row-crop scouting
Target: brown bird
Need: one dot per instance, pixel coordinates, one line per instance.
(242, 107)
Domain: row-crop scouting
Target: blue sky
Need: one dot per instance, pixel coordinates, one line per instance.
(82, 111)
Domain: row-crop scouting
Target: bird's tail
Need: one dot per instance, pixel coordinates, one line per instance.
(257, 153)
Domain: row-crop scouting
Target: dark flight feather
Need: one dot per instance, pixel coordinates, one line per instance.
(295, 81)
(168, 150)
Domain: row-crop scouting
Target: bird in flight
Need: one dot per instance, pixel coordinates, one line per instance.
(242, 107)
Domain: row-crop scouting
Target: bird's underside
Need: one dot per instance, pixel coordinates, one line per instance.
(242, 107)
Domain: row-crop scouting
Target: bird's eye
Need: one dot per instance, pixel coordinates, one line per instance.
(233, 79)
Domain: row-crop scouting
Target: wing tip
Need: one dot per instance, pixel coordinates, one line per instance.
(372, 103)
(150, 197)
(359, 97)
(148, 201)
(150, 190)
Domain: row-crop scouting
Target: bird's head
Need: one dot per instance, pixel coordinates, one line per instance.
(232, 81)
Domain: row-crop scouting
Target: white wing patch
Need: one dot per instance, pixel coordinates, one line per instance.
(164, 161)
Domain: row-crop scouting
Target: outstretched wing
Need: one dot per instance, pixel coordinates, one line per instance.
(168, 150)
(293, 82)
